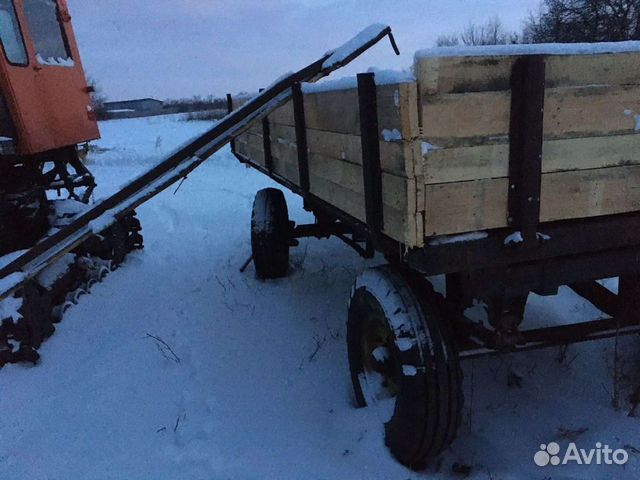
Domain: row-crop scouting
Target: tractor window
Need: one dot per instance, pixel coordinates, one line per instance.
(48, 35)
(10, 34)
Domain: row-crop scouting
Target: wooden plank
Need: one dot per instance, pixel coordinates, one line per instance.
(483, 74)
(454, 120)
(398, 105)
(346, 171)
(492, 161)
(399, 194)
(463, 164)
(286, 169)
(594, 152)
(285, 162)
(590, 193)
(285, 152)
(469, 119)
(255, 128)
(337, 111)
(397, 225)
(252, 140)
(251, 146)
(453, 208)
(251, 153)
(461, 207)
(338, 196)
(395, 191)
(284, 132)
(283, 115)
(398, 158)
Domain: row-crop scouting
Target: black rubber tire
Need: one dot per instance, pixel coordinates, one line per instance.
(270, 234)
(117, 237)
(36, 311)
(428, 405)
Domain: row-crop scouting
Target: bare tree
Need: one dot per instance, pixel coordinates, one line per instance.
(448, 40)
(570, 21)
(490, 33)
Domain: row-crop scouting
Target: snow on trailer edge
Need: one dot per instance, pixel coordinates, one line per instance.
(383, 77)
(340, 54)
(531, 49)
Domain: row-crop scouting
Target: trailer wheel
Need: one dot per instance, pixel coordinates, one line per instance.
(400, 346)
(270, 234)
(36, 312)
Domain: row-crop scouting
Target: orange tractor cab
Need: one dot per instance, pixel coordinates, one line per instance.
(45, 112)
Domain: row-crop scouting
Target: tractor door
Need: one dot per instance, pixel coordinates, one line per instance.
(44, 85)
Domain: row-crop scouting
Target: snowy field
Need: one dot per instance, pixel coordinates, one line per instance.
(255, 384)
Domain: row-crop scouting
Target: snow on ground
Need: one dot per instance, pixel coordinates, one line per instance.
(178, 366)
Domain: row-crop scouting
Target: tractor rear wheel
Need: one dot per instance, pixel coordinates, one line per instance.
(270, 234)
(400, 346)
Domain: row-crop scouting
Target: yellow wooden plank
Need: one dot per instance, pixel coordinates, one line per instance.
(453, 208)
(395, 191)
(461, 207)
(338, 111)
(397, 225)
(492, 161)
(480, 74)
(590, 193)
(398, 157)
(469, 119)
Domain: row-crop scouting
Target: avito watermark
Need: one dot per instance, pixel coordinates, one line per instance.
(550, 455)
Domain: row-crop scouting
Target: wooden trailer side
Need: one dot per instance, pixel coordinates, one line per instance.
(335, 154)
(591, 159)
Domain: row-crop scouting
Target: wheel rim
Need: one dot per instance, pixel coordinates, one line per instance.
(379, 366)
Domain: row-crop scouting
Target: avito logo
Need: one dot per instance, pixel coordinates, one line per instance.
(550, 454)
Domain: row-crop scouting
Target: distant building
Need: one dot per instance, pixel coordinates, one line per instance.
(142, 105)
(133, 108)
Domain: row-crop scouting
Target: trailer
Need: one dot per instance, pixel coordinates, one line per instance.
(507, 170)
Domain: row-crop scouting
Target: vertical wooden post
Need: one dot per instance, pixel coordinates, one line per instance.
(526, 137)
(266, 143)
(301, 136)
(229, 110)
(371, 170)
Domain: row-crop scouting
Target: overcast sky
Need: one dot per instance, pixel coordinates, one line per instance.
(179, 48)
